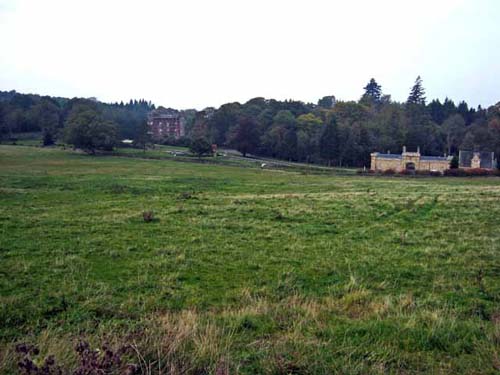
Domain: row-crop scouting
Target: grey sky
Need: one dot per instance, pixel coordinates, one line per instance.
(195, 53)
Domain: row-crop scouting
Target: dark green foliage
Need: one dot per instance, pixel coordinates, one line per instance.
(280, 140)
(309, 128)
(225, 118)
(454, 163)
(373, 92)
(48, 138)
(143, 137)
(327, 102)
(466, 113)
(47, 114)
(245, 137)
(329, 141)
(87, 129)
(200, 146)
(436, 111)
(280, 130)
(449, 108)
(417, 93)
(453, 129)
(419, 128)
(30, 113)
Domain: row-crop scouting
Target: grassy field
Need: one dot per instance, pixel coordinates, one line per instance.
(247, 270)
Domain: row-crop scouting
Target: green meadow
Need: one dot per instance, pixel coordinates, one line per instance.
(246, 270)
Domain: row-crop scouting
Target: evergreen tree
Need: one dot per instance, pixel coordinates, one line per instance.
(373, 92)
(417, 93)
(436, 111)
(395, 132)
(420, 128)
(449, 108)
(465, 112)
(365, 145)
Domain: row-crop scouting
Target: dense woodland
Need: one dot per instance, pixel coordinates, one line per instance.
(330, 132)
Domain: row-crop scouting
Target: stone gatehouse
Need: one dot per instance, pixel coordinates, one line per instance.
(409, 161)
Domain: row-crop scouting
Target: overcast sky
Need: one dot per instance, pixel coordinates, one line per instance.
(198, 53)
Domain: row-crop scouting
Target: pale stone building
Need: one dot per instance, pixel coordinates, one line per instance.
(476, 159)
(409, 161)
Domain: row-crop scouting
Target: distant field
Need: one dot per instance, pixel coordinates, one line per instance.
(247, 270)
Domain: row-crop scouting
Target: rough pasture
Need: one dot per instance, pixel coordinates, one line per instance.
(245, 270)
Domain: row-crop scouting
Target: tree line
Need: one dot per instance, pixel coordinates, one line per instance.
(57, 117)
(330, 132)
(344, 133)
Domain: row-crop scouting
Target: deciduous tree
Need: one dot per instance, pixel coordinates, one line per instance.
(200, 146)
(328, 143)
(86, 129)
(245, 137)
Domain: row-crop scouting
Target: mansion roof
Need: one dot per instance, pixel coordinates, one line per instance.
(400, 157)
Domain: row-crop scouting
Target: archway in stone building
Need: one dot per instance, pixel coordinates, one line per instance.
(410, 166)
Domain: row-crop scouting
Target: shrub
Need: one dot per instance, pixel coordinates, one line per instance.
(148, 216)
(473, 172)
(364, 171)
(478, 172)
(454, 163)
(436, 173)
(407, 172)
(186, 195)
(389, 172)
(423, 172)
(455, 172)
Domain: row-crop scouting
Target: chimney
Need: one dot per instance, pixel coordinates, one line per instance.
(418, 149)
(404, 149)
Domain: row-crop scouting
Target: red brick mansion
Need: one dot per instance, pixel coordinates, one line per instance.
(166, 123)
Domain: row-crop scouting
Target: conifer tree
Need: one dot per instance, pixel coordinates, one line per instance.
(373, 92)
(417, 93)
